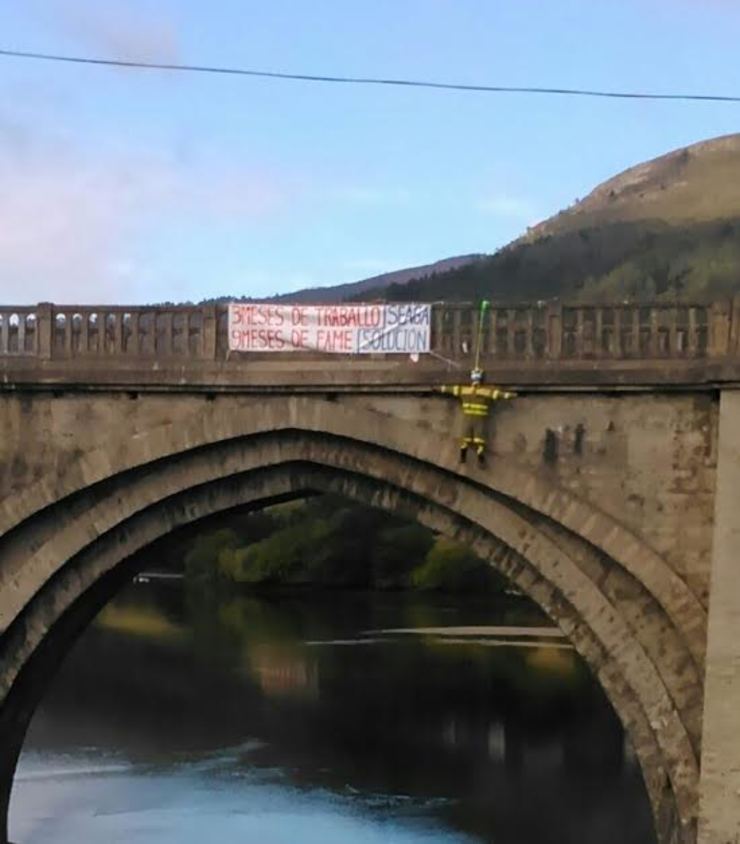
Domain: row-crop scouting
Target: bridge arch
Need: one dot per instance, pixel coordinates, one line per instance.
(82, 527)
(581, 518)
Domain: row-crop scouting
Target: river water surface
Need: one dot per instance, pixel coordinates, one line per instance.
(336, 719)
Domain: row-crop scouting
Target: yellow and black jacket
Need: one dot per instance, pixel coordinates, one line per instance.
(475, 398)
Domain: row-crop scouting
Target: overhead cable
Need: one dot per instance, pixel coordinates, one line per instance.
(369, 80)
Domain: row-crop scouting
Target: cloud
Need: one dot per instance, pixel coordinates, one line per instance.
(116, 30)
(61, 224)
(72, 220)
(509, 206)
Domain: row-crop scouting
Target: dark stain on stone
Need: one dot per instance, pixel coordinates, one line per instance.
(580, 434)
(18, 467)
(550, 451)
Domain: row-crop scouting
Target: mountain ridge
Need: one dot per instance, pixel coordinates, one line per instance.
(333, 294)
(339, 292)
(665, 229)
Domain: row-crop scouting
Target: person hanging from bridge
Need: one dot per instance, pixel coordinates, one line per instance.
(475, 402)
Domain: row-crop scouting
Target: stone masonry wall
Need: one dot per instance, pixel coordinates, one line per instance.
(646, 459)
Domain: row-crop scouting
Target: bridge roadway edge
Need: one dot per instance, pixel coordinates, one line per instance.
(390, 374)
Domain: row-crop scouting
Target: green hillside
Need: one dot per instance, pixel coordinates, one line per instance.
(667, 229)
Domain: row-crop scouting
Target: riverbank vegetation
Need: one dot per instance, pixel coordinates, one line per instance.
(329, 542)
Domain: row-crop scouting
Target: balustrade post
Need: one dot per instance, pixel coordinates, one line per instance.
(45, 329)
(437, 329)
(654, 342)
(118, 333)
(102, 333)
(693, 344)
(554, 328)
(133, 340)
(493, 327)
(529, 338)
(734, 345)
(636, 350)
(168, 318)
(580, 334)
(598, 347)
(456, 333)
(616, 350)
(85, 333)
(21, 333)
(719, 329)
(511, 333)
(209, 340)
(673, 350)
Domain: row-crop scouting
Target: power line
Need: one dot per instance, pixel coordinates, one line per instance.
(364, 80)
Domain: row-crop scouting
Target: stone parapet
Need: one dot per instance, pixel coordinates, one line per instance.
(553, 332)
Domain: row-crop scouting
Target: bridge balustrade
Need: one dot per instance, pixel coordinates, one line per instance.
(584, 332)
(509, 333)
(18, 331)
(126, 331)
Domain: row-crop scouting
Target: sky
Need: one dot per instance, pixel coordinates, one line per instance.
(130, 186)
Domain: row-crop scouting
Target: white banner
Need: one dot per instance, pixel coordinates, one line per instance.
(401, 328)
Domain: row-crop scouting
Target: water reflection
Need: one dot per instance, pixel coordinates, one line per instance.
(336, 718)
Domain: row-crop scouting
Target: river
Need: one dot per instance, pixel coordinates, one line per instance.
(331, 718)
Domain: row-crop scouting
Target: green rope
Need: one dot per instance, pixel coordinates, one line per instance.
(484, 305)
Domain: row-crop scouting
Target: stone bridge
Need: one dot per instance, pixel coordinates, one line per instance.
(611, 498)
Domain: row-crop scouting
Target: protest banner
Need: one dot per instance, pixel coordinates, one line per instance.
(350, 329)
